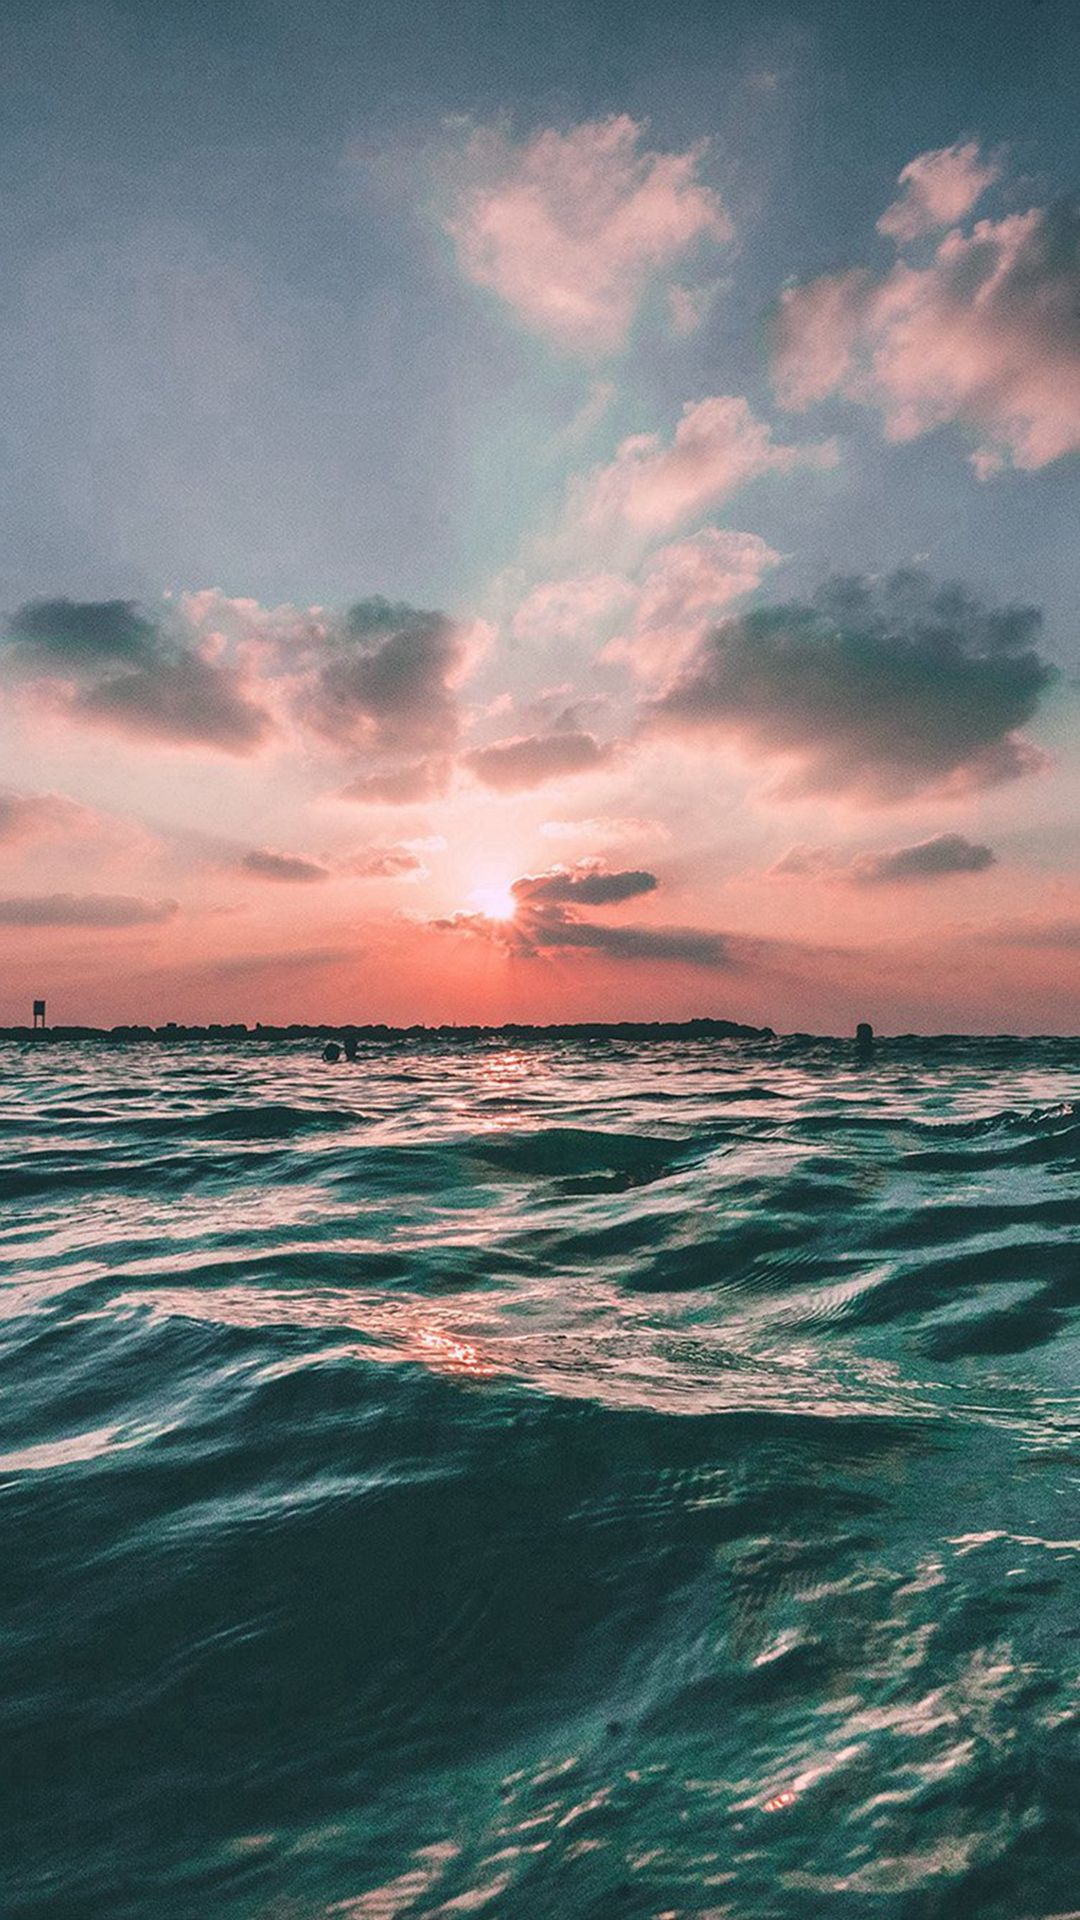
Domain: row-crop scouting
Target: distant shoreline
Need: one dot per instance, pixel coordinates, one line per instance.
(516, 1033)
(335, 1030)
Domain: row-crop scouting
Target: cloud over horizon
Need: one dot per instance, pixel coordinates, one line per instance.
(589, 886)
(98, 910)
(938, 858)
(387, 678)
(547, 919)
(874, 691)
(108, 663)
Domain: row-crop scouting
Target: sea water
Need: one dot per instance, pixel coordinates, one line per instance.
(575, 1480)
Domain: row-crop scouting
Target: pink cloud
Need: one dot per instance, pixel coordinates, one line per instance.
(650, 489)
(687, 307)
(399, 862)
(937, 190)
(512, 766)
(569, 228)
(606, 829)
(567, 609)
(686, 586)
(986, 335)
(658, 614)
(402, 784)
(28, 816)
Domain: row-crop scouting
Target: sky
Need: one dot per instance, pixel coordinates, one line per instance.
(544, 514)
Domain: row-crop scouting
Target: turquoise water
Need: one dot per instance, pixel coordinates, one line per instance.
(576, 1481)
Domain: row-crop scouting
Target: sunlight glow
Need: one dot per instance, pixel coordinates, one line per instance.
(496, 900)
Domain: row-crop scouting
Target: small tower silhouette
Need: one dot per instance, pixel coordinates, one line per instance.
(39, 1016)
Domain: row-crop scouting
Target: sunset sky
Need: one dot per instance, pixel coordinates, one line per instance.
(541, 512)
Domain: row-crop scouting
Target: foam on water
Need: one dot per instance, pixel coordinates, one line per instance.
(569, 1481)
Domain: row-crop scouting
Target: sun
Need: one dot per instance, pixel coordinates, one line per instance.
(496, 900)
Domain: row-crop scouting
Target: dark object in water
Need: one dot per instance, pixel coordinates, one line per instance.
(350, 1046)
(331, 1051)
(864, 1041)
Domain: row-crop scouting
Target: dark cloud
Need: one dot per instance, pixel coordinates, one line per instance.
(513, 765)
(265, 864)
(945, 854)
(590, 888)
(76, 634)
(546, 919)
(114, 666)
(689, 945)
(874, 689)
(84, 910)
(187, 700)
(387, 679)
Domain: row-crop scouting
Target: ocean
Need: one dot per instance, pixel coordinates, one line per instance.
(556, 1482)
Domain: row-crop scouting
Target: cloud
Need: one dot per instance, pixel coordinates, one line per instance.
(547, 919)
(390, 863)
(110, 664)
(587, 886)
(510, 766)
(650, 620)
(606, 828)
(689, 946)
(649, 488)
(189, 701)
(986, 335)
(570, 228)
(25, 816)
(946, 854)
(687, 307)
(687, 586)
(83, 633)
(402, 860)
(874, 690)
(387, 678)
(937, 190)
(570, 609)
(291, 867)
(1051, 934)
(106, 910)
(402, 785)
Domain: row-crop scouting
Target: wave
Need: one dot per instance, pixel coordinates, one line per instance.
(540, 1481)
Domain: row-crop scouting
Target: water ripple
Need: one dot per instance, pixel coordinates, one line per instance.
(540, 1481)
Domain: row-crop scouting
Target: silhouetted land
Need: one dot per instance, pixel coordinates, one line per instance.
(511, 1031)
